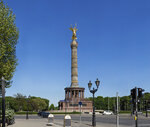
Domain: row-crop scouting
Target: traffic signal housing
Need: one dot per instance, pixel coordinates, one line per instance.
(140, 90)
(133, 94)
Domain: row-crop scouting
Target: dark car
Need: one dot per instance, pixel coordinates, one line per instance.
(39, 113)
(45, 114)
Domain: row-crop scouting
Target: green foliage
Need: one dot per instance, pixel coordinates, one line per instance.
(105, 103)
(38, 104)
(24, 112)
(51, 107)
(8, 39)
(47, 103)
(147, 96)
(99, 102)
(125, 103)
(125, 112)
(10, 114)
(21, 103)
(65, 112)
(56, 108)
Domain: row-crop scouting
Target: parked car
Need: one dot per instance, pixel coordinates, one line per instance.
(45, 114)
(107, 113)
(39, 113)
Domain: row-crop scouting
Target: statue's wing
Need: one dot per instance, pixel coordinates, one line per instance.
(71, 29)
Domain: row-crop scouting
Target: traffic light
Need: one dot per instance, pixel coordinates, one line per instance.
(133, 94)
(140, 90)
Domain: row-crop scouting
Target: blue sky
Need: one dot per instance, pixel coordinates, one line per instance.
(113, 38)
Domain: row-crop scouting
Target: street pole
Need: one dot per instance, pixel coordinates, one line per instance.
(27, 117)
(140, 104)
(80, 114)
(136, 115)
(3, 102)
(65, 105)
(108, 103)
(93, 118)
(117, 114)
(80, 110)
(131, 108)
(146, 108)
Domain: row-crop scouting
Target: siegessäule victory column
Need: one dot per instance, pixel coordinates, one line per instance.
(74, 65)
(74, 95)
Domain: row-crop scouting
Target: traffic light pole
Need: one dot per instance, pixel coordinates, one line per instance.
(136, 94)
(131, 108)
(136, 113)
(146, 108)
(117, 113)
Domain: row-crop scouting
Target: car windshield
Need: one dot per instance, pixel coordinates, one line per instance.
(107, 111)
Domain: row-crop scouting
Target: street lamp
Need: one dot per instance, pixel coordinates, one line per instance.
(97, 82)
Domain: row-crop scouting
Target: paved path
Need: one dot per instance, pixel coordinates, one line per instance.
(102, 121)
(57, 123)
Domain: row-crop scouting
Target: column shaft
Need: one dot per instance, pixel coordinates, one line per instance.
(74, 65)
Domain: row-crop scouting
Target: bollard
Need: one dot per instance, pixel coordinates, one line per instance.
(67, 121)
(50, 120)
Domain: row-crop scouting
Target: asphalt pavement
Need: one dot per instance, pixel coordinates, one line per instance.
(101, 120)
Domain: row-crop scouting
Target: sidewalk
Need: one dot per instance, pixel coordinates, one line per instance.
(57, 123)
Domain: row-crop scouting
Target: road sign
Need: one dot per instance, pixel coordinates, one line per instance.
(80, 103)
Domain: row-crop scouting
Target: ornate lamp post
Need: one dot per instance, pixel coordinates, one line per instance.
(97, 82)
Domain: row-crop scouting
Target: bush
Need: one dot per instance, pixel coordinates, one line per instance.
(24, 112)
(9, 115)
(65, 113)
(124, 112)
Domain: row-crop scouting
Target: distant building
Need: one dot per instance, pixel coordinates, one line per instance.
(74, 94)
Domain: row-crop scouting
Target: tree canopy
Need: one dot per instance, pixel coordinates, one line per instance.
(51, 107)
(9, 35)
(22, 103)
(109, 103)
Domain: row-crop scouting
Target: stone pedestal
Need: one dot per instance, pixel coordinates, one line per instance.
(74, 95)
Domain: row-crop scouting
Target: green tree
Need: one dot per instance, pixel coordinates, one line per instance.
(99, 101)
(146, 96)
(20, 101)
(47, 103)
(56, 108)
(125, 103)
(8, 39)
(38, 104)
(52, 107)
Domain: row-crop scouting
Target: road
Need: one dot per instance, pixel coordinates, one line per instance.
(104, 119)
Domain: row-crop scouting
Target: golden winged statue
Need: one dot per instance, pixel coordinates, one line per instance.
(74, 37)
